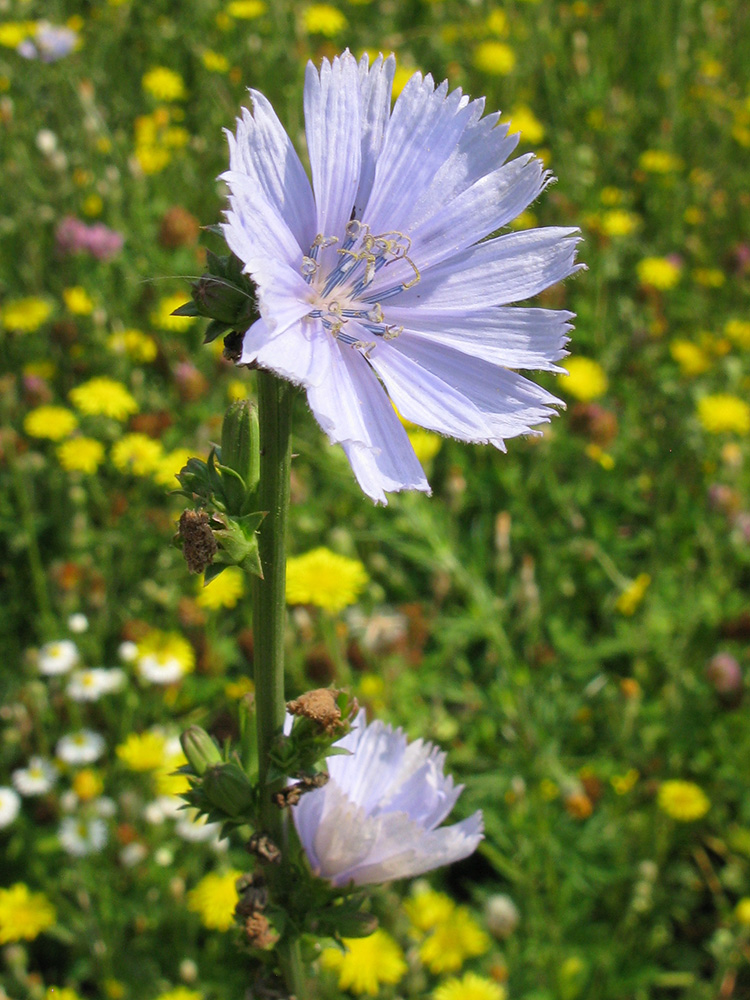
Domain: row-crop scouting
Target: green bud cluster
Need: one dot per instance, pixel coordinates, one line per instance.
(224, 295)
(225, 486)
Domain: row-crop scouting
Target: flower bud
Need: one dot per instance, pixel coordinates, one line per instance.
(240, 452)
(502, 916)
(200, 749)
(227, 787)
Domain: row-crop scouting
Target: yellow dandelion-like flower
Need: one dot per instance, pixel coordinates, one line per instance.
(52, 423)
(180, 993)
(367, 963)
(165, 473)
(660, 273)
(24, 915)
(214, 899)
(586, 379)
(246, 10)
(236, 390)
(624, 783)
(87, 784)
(214, 62)
(738, 331)
(709, 277)
(169, 783)
(523, 120)
(453, 941)
(12, 33)
(25, 315)
(81, 454)
(137, 454)
(103, 397)
(152, 159)
(470, 987)
(323, 19)
(629, 600)
(165, 646)
(162, 318)
(426, 444)
(164, 84)
(494, 58)
(78, 301)
(619, 222)
(325, 579)
(426, 910)
(58, 993)
(691, 358)
(133, 344)
(143, 751)
(224, 591)
(742, 911)
(683, 800)
(724, 414)
(234, 690)
(659, 161)
(497, 22)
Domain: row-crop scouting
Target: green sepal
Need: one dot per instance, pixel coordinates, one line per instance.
(227, 787)
(186, 309)
(214, 330)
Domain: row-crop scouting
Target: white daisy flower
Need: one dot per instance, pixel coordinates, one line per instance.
(36, 779)
(10, 805)
(160, 669)
(83, 747)
(90, 685)
(58, 657)
(79, 836)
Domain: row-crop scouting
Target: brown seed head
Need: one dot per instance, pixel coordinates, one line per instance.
(320, 707)
(198, 543)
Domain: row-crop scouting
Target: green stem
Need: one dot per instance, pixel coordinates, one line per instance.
(275, 399)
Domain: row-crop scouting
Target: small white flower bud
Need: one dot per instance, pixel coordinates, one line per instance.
(502, 916)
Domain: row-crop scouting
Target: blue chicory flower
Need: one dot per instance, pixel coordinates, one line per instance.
(377, 283)
(378, 817)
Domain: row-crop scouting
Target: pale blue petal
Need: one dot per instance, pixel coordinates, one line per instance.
(298, 354)
(510, 336)
(354, 411)
(507, 269)
(422, 132)
(375, 84)
(332, 125)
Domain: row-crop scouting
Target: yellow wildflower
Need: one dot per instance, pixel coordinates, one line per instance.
(224, 591)
(624, 783)
(64, 993)
(235, 690)
(24, 915)
(81, 454)
(215, 62)
(162, 318)
(133, 344)
(453, 941)
(152, 159)
(691, 358)
(323, 19)
(92, 205)
(683, 801)
(659, 161)
(78, 301)
(523, 120)
(426, 444)
(236, 389)
(12, 33)
(137, 454)
(470, 987)
(738, 331)
(53, 423)
(214, 899)
(426, 910)
(660, 273)
(494, 58)
(246, 10)
(610, 196)
(742, 911)
(180, 993)
(709, 277)
(586, 379)
(628, 601)
(497, 22)
(169, 465)
(167, 781)
(724, 414)
(163, 646)
(324, 578)
(25, 315)
(619, 222)
(143, 751)
(87, 784)
(164, 84)
(103, 397)
(367, 963)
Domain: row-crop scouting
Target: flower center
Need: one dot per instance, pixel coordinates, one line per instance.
(341, 281)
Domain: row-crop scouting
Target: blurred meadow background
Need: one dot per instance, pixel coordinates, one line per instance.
(570, 621)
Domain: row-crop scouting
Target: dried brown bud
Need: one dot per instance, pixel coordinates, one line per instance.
(198, 543)
(259, 932)
(253, 895)
(261, 845)
(291, 795)
(320, 707)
